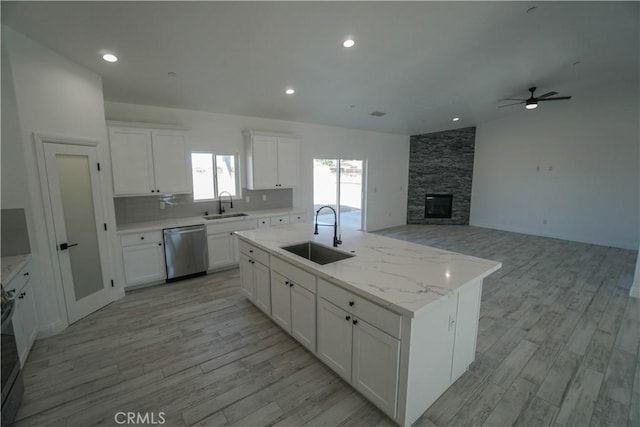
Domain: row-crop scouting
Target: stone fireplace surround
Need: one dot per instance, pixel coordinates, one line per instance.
(441, 163)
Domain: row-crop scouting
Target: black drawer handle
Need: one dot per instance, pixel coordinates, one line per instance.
(26, 274)
(355, 321)
(286, 282)
(141, 237)
(351, 303)
(291, 284)
(159, 244)
(250, 251)
(348, 318)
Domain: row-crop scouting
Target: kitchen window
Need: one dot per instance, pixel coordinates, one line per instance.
(213, 174)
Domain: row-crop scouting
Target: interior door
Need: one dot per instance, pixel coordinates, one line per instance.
(78, 219)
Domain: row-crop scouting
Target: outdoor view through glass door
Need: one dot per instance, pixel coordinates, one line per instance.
(338, 183)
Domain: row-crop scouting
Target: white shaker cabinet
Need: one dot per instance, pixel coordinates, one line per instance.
(222, 250)
(255, 280)
(148, 161)
(335, 335)
(272, 161)
(25, 318)
(143, 257)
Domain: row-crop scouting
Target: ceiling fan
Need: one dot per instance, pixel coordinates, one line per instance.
(532, 102)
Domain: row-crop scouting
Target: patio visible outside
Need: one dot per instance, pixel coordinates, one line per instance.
(325, 179)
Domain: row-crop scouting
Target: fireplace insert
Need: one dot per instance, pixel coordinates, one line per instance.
(438, 205)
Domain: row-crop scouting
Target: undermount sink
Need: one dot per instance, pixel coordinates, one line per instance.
(228, 215)
(316, 253)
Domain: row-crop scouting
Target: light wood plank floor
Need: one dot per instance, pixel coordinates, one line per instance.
(558, 345)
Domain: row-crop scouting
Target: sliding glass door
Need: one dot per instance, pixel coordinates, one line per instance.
(339, 183)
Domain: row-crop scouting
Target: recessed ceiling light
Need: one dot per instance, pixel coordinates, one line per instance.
(110, 57)
(349, 43)
(290, 91)
(455, 119)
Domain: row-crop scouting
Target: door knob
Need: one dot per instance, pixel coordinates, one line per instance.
(65, 246)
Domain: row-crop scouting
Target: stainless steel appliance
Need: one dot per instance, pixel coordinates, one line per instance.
(185, 252)
(12, 385)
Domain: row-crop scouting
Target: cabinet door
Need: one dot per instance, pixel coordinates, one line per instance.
(466, 327)
(25, 321)
(143, 263)
(236, 248)
(281, 301)
(262, 284)
(335, 338)
(265, 174)
(376, 377)
(247, 284)
(131, 161)
(287, 162)
(303, 316)
(171, 163)
(221, 250)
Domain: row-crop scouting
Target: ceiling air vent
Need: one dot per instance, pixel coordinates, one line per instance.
(377, 114)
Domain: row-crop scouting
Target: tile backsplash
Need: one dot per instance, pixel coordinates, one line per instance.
(147, 208)
(15, 236)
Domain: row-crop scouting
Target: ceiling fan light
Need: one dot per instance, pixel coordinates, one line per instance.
(531, 105)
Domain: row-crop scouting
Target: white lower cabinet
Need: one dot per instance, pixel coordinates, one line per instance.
(144, 263)
(360, 353)
(293, 298)
(255, 281)
(25, 318)
(335, 337)
(221, 249)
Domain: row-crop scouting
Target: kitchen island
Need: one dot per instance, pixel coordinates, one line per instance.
(397, 320)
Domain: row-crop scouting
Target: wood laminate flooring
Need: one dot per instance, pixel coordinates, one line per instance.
(558, 345)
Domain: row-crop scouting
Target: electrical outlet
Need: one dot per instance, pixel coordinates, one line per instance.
(247, 199)
(264, 197)
(162, 205)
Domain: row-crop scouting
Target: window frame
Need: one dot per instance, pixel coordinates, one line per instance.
(216, 192)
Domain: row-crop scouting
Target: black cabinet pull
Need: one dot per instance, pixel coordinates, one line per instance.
(286, 282)
(141, 237)
(26, 274)
(348, 318)
(351, 303)
(250, 251)
(159, 244)
(291, 284)
(65, 246)
(355, 321)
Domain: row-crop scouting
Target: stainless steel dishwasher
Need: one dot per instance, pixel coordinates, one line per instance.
(185, 251)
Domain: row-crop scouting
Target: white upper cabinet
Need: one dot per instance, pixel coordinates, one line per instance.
(272, 161)
(170, 162)
(131, 161)
(149, 161)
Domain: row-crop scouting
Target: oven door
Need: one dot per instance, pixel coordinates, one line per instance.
(9, 352)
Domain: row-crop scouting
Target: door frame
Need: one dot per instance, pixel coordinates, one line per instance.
(39, 141)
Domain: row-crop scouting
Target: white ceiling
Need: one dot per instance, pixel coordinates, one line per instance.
(421, 62)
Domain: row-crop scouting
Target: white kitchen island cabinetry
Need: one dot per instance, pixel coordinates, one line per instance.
(272, 161)
(398, 321)
(147, 161)
(255, 281)
(25, 318)
(293, 301)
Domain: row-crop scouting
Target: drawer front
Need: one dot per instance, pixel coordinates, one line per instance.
(295, 274)
(19, 281)
(264, 222)
(255, 253)
(141, 238)
(296, 218)
(378, 316)
(279, 220)
(229, 227)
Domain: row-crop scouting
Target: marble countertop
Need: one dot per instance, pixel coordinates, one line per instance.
(11, 265)
(402, 276)
(136, 227)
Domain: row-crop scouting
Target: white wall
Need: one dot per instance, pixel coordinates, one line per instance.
(387, 154)
(54, 96)
(591, 195)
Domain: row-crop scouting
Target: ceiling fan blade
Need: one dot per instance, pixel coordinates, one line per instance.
(559, 98)
(509, 105)
(548, 94)
(514, 99)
